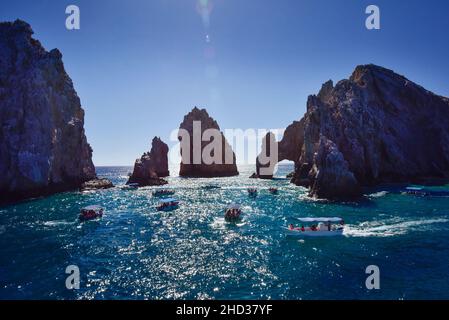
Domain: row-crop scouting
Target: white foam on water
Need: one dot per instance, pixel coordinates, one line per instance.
(389, 229)
(378, 194)
(56, 223)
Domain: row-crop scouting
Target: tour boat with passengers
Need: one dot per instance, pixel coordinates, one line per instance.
(233, 213)
(317, 227)
(130, 186)
(163, 192)
(168, 204)
(90, 213)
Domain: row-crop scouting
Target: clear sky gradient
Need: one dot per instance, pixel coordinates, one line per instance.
(140, 65)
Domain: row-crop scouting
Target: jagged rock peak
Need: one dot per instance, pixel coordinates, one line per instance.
(152, 166)
(386, 128)
(192, 163)
(43, 147)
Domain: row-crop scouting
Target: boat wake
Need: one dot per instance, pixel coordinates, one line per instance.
(378, 194)
(392, 228)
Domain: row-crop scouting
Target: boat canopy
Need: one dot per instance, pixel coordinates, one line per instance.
(168, 200)
(234, 206)
(92, 208)
(330, 219)
(414, 188)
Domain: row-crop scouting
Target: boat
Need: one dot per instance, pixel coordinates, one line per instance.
(233, 213)
(319, 227)
(211, 187)
(163, 192)
(168, 204)
(252, 191)
(90, 213)
(273, 190)
(421, 192)
(130, 186)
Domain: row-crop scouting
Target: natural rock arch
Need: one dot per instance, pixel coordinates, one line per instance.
(289, 148)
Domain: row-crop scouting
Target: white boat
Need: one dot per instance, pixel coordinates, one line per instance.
(233, 213)
(130, 186)
(321, 227)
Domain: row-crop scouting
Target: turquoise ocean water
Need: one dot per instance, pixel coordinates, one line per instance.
(135, 252)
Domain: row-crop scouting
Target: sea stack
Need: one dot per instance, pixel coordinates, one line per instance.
(376, 127)
(43, 147)
(289, 148)
(220, 160)
(152, 166)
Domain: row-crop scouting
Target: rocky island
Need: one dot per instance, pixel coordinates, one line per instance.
(152, 166)
(43, 147)
(192, 163)
(375, 127)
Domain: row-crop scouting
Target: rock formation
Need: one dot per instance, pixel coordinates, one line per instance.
(96, 184)
(152, 166)
(43, 148)
(221, 162)
(289, 148)
(376, 127)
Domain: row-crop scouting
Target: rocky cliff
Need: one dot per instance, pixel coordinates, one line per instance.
(289, 148)
(152, 165)
(43, 148)
(220, 159)
(375, 127)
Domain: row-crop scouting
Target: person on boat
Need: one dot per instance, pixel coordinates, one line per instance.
(313, 227)
(303, 229)
(291, 227)
(329, 226)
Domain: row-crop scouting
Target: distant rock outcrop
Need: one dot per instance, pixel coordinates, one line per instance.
(152, 166)
(376, 127)
(43, 147)
(191, 130)
(96, 184)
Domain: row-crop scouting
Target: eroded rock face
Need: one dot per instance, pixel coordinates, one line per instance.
(193, 163)
(152, 166)
(375, 127)
(289, 148)
(330, 173)
(43, 147)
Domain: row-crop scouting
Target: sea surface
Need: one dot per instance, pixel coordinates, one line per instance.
(136, 252)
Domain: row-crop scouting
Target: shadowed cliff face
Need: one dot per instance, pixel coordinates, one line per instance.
(43, 148)
(193, 163)
(152, 165)
(375, 127)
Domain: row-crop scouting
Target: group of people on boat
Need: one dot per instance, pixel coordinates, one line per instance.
(163, 192)
(91, 212)
(321, 226)
(233, 214)
(168, 204)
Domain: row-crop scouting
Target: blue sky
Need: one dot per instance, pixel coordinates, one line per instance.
(140, 65)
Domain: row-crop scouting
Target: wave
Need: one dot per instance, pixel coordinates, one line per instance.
(377, 229)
